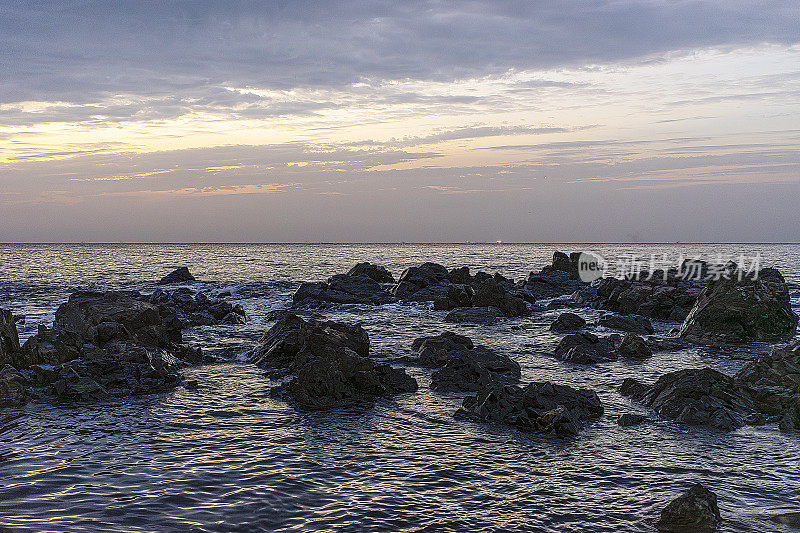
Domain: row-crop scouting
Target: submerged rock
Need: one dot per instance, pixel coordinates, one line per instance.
(695, 511)
(540, 407)
(179, 275)
(462, 365)
(731, 310)
(327, 363)
(567, 322)
(630, 419)
(473, 315)
(631, 323)
(586, 348)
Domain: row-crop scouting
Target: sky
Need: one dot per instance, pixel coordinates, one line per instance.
(416, 121)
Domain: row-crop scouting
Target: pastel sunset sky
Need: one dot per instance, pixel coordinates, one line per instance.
(400, 121)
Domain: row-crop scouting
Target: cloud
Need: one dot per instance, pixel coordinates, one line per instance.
(83, 51)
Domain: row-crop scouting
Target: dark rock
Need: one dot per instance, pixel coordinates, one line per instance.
(457, 296)
(631, 419)
(190, 384)
(342, 289)
(701, 397)
(774, 380)
(292, 340)
(101, 344)
(328, 364)
(490, 294)
(541, 407)
(634, 347)
(179, 275)
(655, 298)
(789, 519)
(586, 348)
(633, 388)
(462, 365)
(435, 351)
(473, 315)
(551, 283)
(731, 310)
(12, 387)
(695, 511)
(375, 272)
(567, 322)
(415, 278)
(9, 338)
(196, 309)
(460, 276)
(631, 323)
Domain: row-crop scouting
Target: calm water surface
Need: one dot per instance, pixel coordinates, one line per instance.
(228, 457)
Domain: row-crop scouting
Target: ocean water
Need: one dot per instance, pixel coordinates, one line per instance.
(227, 457)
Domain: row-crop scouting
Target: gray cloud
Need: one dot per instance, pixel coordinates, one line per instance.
(81, 51)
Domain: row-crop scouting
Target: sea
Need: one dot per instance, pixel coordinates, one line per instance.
(229, 457)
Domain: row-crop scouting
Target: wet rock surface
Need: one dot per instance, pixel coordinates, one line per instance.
(695, 511)
(567, 322)
(376, 273)
(342, 289)
(102, 344)
(670, 299)
(587, 348)
(699, 397)
(540, 407)
(196, 309)
(741, 308)
(631, 323)
(634, 347)
(462, 365)
(327, 364)
(179, 275)
(474, 315)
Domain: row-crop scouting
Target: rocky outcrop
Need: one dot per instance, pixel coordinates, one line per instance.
(327, 364)
(196, 309)
(415, 279)
(12, 387)
(670, 299)
(631, 323)
(567, 322)
(459, 289)
(731, 310)
(586, 348)
(699, 397)
(342, 289)
(462, 365)
(695, 511)
(179, 275)
(557, 279)
(374, 272)
(634, 347)
(101, 344)
(9, 338)
(540, 407)
(774, 380)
